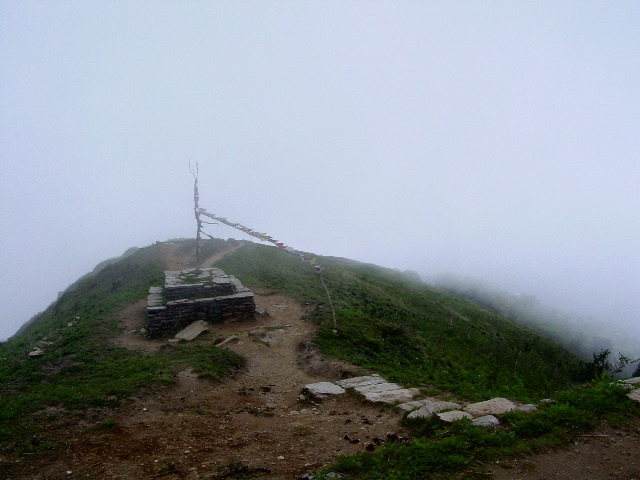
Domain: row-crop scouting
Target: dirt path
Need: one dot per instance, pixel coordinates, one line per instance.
(603, 454)
(253, 423)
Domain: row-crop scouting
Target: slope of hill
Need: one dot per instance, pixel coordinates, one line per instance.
(156, 405)
(389, 321)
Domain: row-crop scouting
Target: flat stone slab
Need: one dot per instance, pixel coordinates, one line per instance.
(222, 298)
(192, 331)
(323, 389)
(495, 406)
(635, 395)
(632, 381)
(155, 290)
(391, 396)
(486, 421)
(360, 381)
(414, 404)
(452, 416)
(377, 387)
(428, 409)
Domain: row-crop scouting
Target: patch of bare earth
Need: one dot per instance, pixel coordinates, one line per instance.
(254, 423)
(175, 257)
(606, 453)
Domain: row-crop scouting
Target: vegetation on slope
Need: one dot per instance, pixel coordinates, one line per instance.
(580, 334)
(437, 449)
(389, 322)
(81, 367)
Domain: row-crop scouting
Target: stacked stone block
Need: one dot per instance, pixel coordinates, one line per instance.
(187, 296)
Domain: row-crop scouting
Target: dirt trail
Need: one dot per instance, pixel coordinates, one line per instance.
(253, 423)
(603, 454)
(255, 426)
(175, 259)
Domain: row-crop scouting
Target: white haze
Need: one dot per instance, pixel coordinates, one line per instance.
(497, 140)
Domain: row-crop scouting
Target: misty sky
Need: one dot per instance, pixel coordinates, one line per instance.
(494, 139)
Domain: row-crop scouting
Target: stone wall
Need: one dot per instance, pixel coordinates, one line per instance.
(187, 296)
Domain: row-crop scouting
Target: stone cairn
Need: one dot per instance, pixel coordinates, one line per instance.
(188, 296)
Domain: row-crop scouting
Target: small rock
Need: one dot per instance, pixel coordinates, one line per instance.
(486, 421)
(36, 353)
(529, 407)
(428, 409)
(228, 341)
(280, 457)
(449, 417)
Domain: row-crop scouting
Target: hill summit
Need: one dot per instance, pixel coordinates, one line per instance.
(103, 400)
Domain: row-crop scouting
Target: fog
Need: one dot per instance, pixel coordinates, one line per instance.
(497, 140)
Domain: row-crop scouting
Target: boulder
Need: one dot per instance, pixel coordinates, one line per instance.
(323, 389)
(450, 417)
(495, 406)
(486, 421)
(428, 409)
(36, 353)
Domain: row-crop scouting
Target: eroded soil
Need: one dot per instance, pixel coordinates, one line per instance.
(200, 429)
(606, 453)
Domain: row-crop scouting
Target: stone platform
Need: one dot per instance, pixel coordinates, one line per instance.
(207, 294)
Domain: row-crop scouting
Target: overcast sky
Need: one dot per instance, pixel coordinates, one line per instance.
(496, 139)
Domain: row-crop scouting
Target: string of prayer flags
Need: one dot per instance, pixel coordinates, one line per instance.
(265, 238)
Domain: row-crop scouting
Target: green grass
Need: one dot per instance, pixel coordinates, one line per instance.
(387, 321)
(81, 368)
(411, 333)
(437, 450)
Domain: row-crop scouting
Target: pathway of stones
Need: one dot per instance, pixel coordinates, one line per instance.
(374, 388)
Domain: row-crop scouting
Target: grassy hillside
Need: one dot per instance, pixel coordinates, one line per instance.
(387, 321)
(81, 368)
(392, 323)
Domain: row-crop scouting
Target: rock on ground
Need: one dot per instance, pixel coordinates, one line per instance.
(192, 331)
(495, 406)
(428, 409)
(452, 416)
(486, 421)
(529, 407)
(323, 389)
